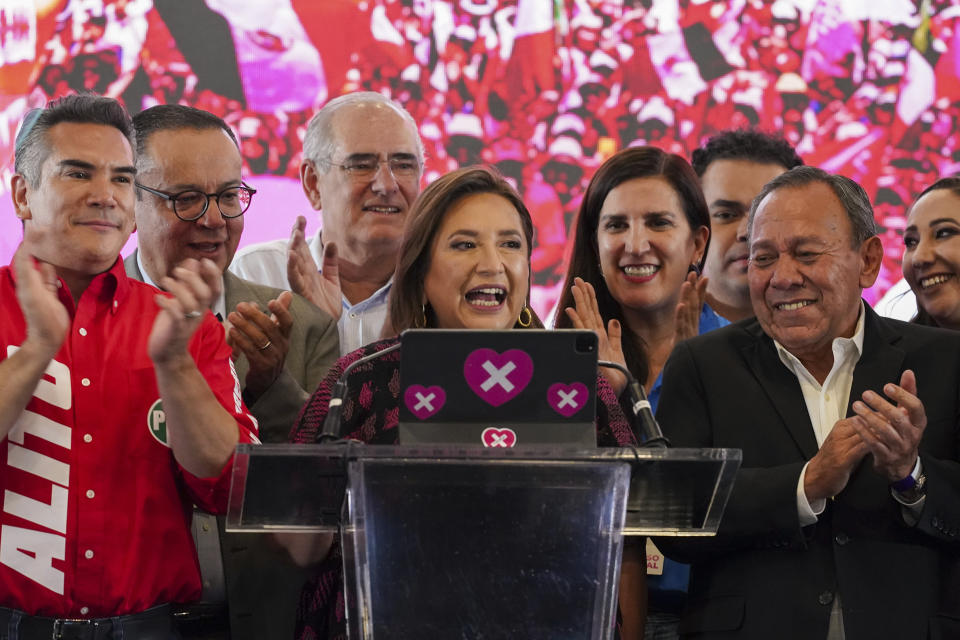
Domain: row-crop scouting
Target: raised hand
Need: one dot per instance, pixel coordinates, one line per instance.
(892, 432)
(190, 290)
(263, 339)
(829, 471)
(48, 321)
(586, 315)
(322, 289)
(693, 294)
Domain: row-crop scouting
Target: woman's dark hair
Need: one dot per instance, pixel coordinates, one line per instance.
(635, 162)
(424, 220)
(951, 183)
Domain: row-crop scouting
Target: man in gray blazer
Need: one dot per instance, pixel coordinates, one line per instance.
(190, 203)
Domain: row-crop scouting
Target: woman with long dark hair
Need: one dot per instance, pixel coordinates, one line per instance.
(640, 241)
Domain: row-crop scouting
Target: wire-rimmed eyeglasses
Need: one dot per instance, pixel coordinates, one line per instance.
(365, 167)
(191, 204)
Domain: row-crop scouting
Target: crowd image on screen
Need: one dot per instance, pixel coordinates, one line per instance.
(544, 90)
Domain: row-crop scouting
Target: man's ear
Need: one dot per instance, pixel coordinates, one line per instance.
(18, 191)
(871, 255)
(310, 181)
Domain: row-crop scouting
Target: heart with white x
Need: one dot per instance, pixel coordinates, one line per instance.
(424, 402)
(495, 438)
(567, 399)
(498, 377)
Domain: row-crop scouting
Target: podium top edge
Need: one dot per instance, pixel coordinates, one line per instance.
(358, 451)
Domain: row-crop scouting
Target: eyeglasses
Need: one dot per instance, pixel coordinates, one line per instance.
(366, 168)
(191, 204)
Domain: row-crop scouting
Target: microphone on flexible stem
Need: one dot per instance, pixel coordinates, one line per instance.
(331, 425)
(649, 434)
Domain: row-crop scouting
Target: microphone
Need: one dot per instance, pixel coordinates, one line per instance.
(331, 425)
(650, 431)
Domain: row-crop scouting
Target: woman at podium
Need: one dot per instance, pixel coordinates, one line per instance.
(640, 240)
(464, 263)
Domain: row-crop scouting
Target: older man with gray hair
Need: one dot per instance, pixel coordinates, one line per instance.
(362, 164)
(844, 518)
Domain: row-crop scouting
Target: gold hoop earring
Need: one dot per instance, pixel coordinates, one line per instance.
(525, 323)
(422, 324)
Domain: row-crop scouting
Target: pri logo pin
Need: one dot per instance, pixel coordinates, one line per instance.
(157, 422)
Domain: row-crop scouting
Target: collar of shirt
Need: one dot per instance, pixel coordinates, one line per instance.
(827, 403)
(379, 296)
(112, 284)
(219, 305)
(843, 348)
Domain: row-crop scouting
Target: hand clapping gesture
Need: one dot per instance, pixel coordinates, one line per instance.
(586, 315)
(47, 319)
(320, 288)
(263, 339)
(892, 432)
(192, 287)
(693, 294)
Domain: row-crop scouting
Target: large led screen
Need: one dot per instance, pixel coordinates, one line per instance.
(544, 89)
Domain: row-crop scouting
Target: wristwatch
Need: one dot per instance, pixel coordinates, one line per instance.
(910, 489)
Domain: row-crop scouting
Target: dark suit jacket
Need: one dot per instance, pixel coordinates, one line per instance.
(262, 583)
(763, 576)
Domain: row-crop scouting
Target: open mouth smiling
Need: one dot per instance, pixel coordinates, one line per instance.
(640, 270)
(934, 280)
(486, 296)
(384, 209)
(792, 306)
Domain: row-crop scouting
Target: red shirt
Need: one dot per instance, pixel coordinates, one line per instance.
(95, 517)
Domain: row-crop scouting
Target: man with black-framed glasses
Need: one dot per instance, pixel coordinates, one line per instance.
(361, 168)
(190, 203)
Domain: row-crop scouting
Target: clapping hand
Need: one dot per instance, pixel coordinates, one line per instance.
(693, 294)
(190, 289)
(890, 431)
(263, 339)
(586, 315)
(47, 319)
(320, 288)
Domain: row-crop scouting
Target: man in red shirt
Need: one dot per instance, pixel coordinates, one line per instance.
(119, 407)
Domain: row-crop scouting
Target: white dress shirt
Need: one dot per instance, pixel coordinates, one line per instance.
(266, 263)
(826, 403)
(219, 305)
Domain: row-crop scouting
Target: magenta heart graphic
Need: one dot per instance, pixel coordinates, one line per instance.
(567, 399)
(422, 401)
(494, 437)
(498, 377)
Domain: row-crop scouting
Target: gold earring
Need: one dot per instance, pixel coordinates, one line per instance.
(525, 323)
(423, 318)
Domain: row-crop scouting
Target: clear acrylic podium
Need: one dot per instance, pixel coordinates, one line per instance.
(467, 542)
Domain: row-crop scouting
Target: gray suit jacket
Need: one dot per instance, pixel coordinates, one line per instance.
(262, 583)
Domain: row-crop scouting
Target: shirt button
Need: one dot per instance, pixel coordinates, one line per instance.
(82, 331)
(828, 397)
(825, 598)
(85, 382)
(353, 315)
(842, 539)
(90, 493)
(84, 610)
(87, 437)
(88, 554)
